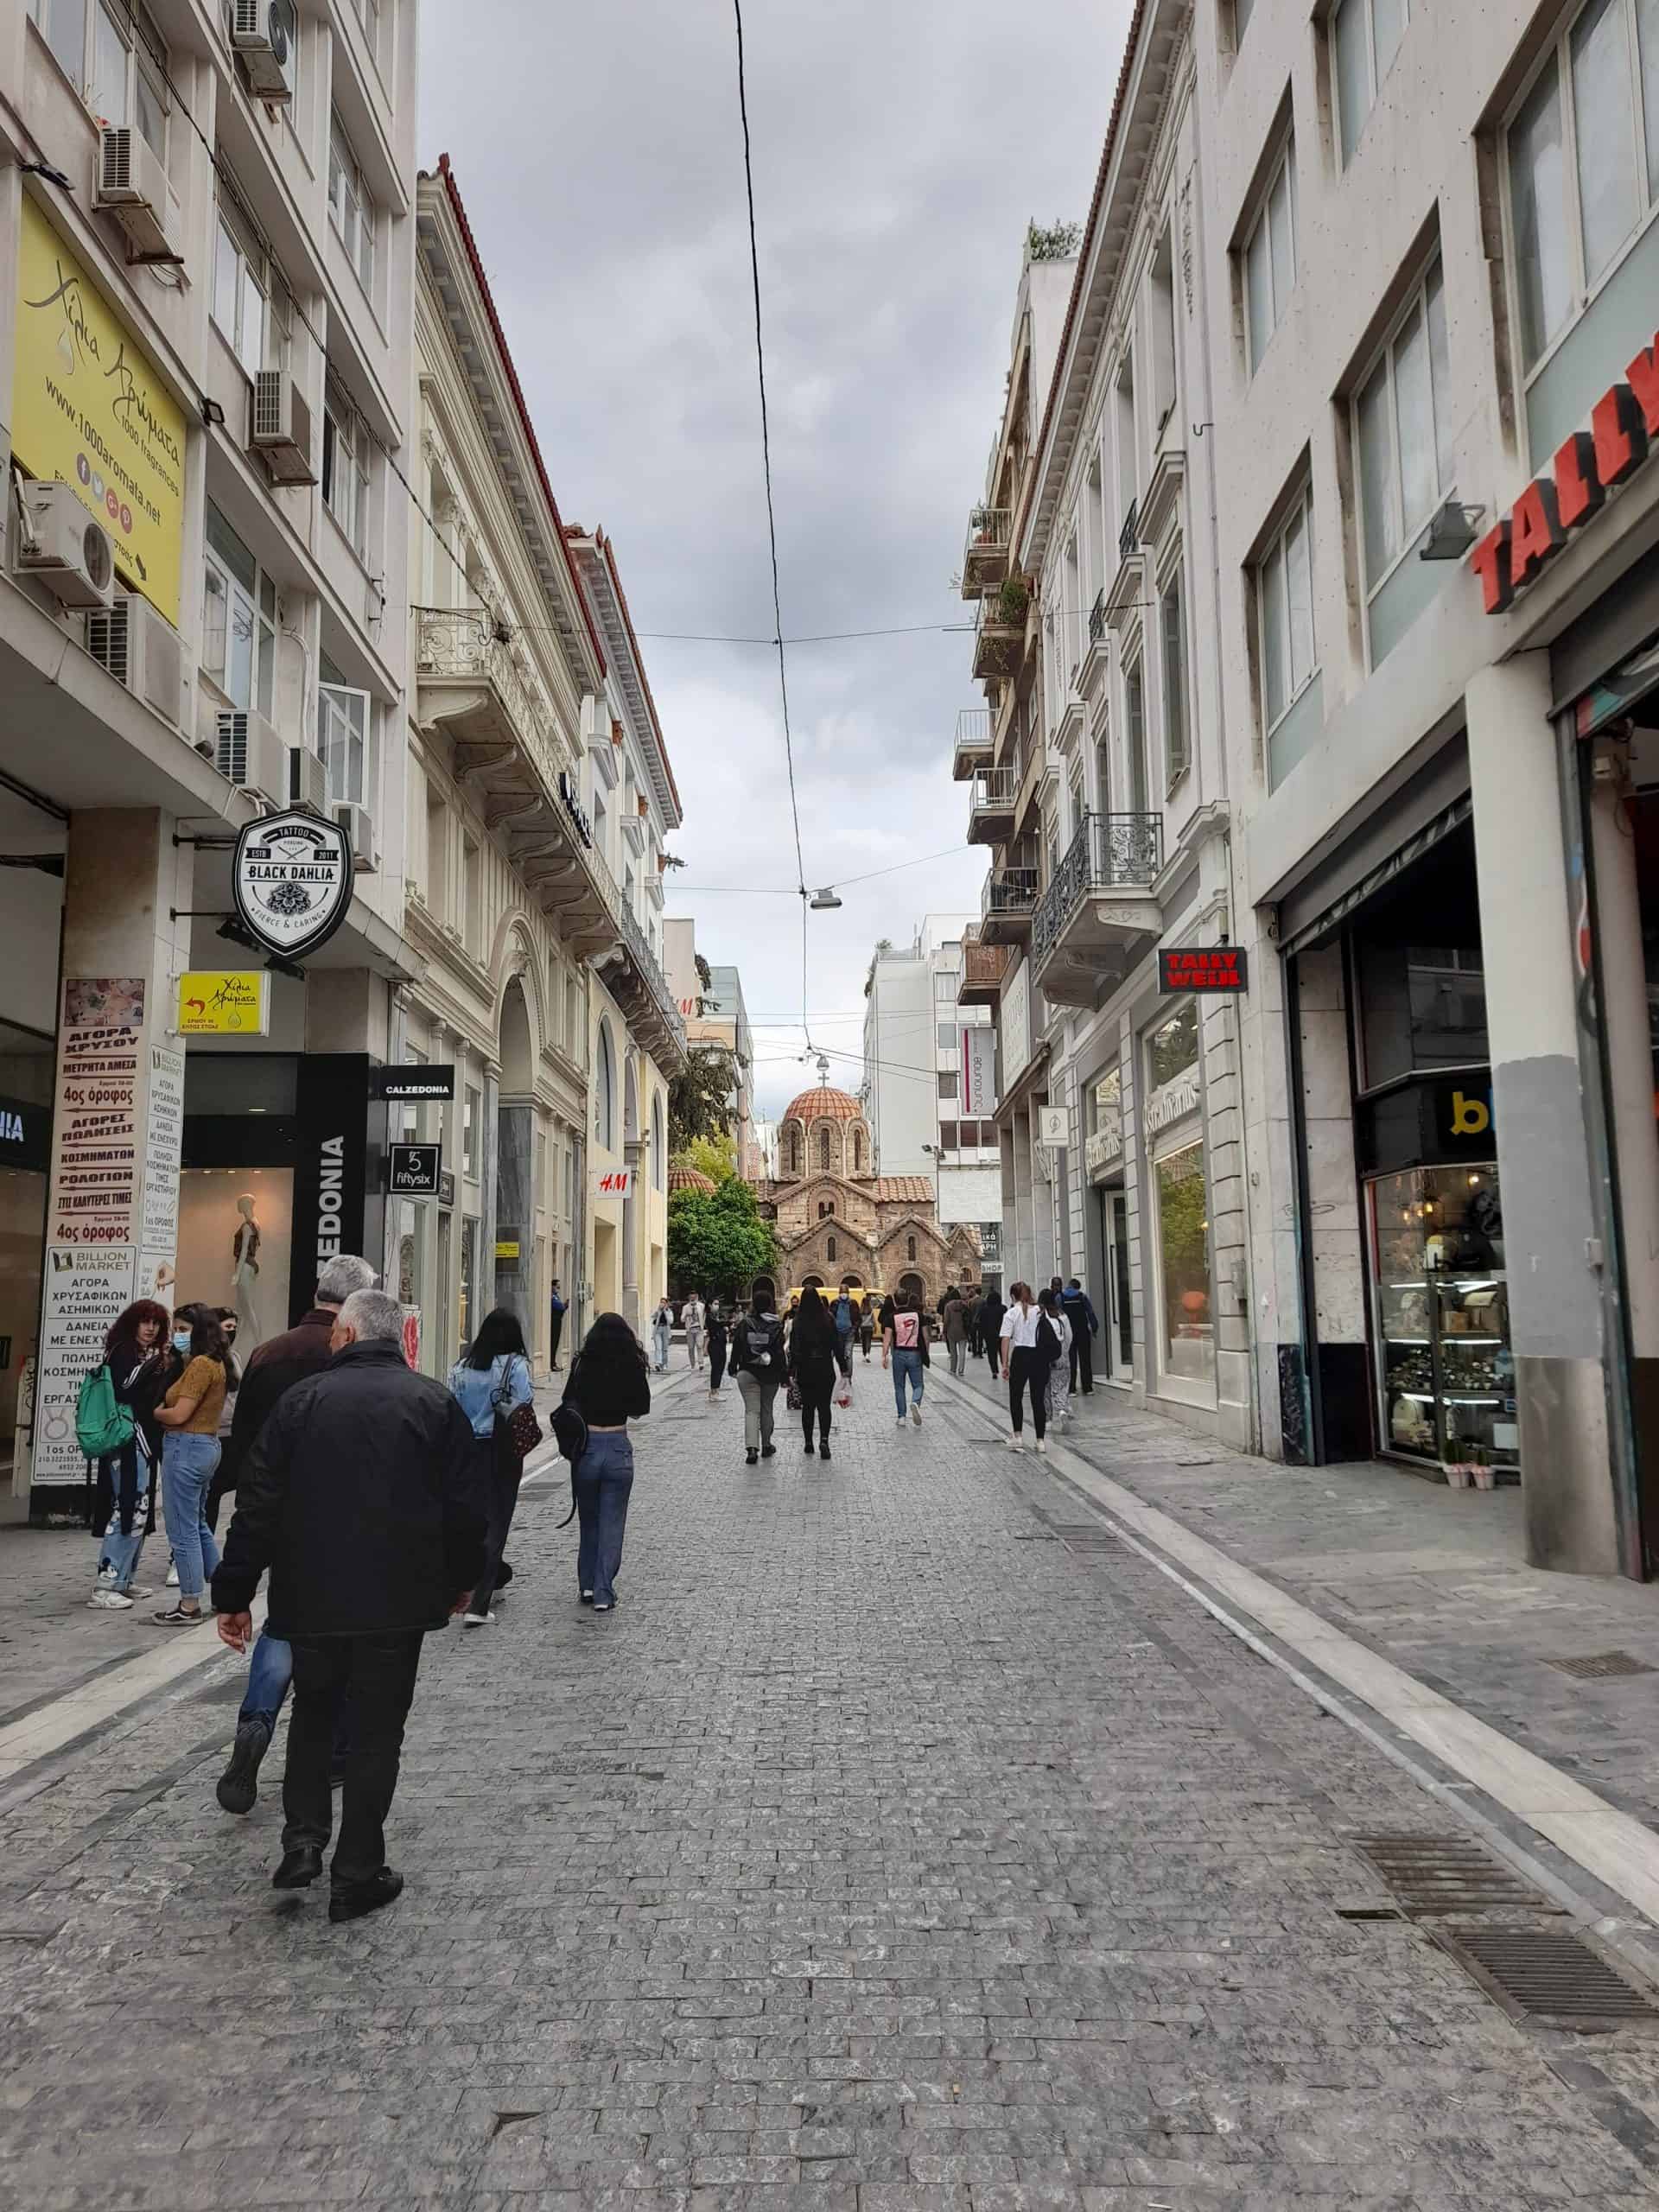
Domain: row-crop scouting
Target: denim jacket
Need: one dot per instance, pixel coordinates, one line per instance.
(475, 1389)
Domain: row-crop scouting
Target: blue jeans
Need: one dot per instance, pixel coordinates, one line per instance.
(269, 1672)
(119, 1555)
(906, 1363)
(188, 1465)
(604, 1477)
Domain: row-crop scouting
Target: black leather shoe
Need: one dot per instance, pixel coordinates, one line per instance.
(352, 1901)
(824, 1451)
(239, 1786)
(749, 1458)
(768, 1451)
(299, 1869)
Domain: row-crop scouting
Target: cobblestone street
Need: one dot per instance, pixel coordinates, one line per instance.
(903, 1842)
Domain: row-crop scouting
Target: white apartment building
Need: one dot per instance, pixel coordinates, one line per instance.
(540, 794)
(914, 1076)
(206, 258)
(1411, 388)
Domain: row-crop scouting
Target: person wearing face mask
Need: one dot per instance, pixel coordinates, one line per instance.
(142, 1364)
(189, 1415)
(358, 1496)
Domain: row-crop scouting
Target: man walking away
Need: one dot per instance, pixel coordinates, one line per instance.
(359, 1498)
(1075, 1306)
(846, 1320)
(991, 1310)
(691, 1314)
(558, 1307)
(956, 1335)
(716, 1328)
(273, 1369)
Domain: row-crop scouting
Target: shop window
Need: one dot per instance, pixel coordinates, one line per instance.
(1187, 1351)
(238, 619)
(1173, 1046)
(351, 205)
(345, 448)
(1172, 622)
(1270, 257)
(1402, 435)
(1446, 1374)
(1285, 606)
(1365, 36)
(116, 59)
(1583, 163)
(346, 738)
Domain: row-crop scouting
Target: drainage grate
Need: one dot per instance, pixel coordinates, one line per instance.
(1548, 1979)
(1370, 1912)
(1433, 1874)
(1604, 1666)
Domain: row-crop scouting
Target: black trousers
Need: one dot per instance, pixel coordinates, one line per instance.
(498, 1472)
(817, 1387)
(1028, 1370)
(994, 1352)
(1081, 1358)
(716, 1360)
(377, 1673)
(554, 1331)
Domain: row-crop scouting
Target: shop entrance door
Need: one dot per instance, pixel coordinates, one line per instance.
(1117, 1322)
(1445, 1372)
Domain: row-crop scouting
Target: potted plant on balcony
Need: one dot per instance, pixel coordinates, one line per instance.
(980, 523)
(1013, 600)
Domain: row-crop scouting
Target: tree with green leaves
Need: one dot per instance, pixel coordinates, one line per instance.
(714, 1157)
(716, 1240)
(699, 1101)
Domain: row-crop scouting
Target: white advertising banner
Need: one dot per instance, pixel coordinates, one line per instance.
(158, 1250)
(85, 1291)
(978, 1072)
(1016, 1024)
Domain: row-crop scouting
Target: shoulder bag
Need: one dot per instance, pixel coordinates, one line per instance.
(524, 1429)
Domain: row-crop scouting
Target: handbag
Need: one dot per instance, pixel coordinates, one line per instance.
(844, 1388)
(792, 1395)
(524, 1430)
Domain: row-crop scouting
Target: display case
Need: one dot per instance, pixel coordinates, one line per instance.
(1446, 1374)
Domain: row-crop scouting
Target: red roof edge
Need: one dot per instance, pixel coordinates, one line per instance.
(517, 390)
(609, 552)
(1077, 281)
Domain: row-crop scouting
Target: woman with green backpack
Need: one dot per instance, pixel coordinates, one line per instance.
(115, 1421)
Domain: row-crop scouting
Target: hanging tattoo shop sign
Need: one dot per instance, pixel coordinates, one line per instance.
(1588, 467)
(291, 880)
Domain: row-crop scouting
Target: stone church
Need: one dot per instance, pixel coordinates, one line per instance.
(838, 1221)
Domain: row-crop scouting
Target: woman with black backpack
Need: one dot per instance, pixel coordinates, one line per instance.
(758, 1365)
(609, 1386)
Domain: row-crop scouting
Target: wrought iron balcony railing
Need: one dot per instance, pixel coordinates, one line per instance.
(1097, 620)
(1128, 538)
(1110, 852)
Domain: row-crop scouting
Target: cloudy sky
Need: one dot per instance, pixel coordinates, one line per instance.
(899, 148)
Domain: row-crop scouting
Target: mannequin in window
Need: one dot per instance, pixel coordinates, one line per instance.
(244, 1268)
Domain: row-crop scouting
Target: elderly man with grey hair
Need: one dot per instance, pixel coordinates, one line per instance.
(358, 1496)
(273, 1368)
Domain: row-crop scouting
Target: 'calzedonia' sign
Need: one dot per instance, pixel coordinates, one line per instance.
(1589, 465)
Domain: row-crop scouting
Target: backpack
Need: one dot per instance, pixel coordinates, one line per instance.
(1048, 1341)
(103, 1424)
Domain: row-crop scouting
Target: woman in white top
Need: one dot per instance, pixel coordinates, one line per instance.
(1024, 1366)
(1059, 1390)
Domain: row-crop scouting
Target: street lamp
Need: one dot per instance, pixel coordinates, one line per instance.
(824, 900)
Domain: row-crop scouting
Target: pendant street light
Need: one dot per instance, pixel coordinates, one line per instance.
(825, 901)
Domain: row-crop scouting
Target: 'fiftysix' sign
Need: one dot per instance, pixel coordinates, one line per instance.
(1589, 465)
(291, 878)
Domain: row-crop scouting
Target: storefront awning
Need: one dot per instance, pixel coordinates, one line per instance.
(1325, 924)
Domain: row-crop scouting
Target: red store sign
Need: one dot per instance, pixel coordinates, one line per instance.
(1590, 464)
(1208, 968)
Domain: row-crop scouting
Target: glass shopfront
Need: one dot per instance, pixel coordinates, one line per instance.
(1445, 1376)
(1182, 1321)
(1104, 1163)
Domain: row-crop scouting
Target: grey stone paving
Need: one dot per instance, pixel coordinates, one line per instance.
(884, 1852)
(1430, 1577)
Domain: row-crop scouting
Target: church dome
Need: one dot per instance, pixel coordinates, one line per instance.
(823, 1105)
(690, 1178)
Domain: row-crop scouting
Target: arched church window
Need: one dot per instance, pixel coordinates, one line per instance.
(823, 1148)
(829, 1250)
(910, 1247)
(858, 1150)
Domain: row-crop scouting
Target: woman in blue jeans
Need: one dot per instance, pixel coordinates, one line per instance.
(609, 1386)
(189, 1420)
(904, 1348)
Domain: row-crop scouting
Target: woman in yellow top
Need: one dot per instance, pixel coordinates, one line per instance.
(190, 1418)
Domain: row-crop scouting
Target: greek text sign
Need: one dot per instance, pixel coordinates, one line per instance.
(215, 1003)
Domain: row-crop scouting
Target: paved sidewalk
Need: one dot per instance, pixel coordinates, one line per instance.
(895, 1848)
(1428, 1576)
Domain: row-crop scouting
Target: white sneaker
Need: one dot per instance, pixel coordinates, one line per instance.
(1041, 1446)
(915, 1417)
(901, 1420)
(1016, 1443)
(479, 1620)
(172, 1576)
(108, 1599)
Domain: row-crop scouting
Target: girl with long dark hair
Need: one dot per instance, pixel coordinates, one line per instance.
(609, 1386)
(812, 1361)
(488, 1383)
(189, 1415)
(141, 1366)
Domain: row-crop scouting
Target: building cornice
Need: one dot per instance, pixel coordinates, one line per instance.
(595, 559)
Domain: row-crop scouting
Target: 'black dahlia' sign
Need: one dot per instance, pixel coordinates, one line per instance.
(292, 881)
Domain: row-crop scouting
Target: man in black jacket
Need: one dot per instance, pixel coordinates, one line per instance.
(358, 1496)
(1079, 1308)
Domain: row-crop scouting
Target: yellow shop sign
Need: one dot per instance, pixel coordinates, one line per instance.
(215, 1004)
(89, 408)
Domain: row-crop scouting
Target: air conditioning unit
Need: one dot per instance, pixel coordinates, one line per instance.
(131, 185)
(62, 545)
(308, 780)
(357, 826)
(141, 649)
(282, 428)
(262, 32)
(250, 754)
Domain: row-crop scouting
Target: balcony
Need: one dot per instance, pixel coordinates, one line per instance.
(1097, 912)
(973, 747)
(1000, 633)
(1129, 537)
(990, 806)
(634, 980)
(983, 967)
(985, 559)
(1007, 904)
